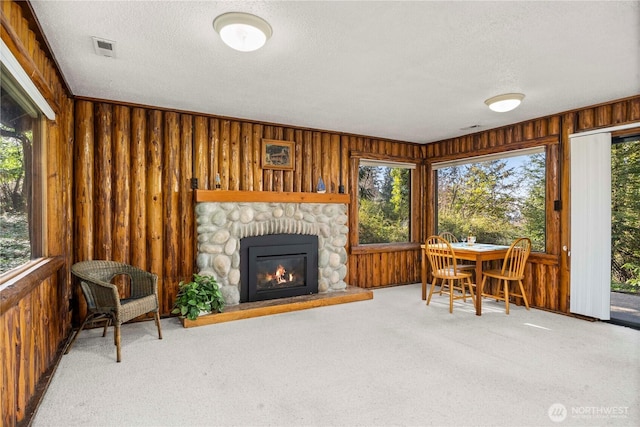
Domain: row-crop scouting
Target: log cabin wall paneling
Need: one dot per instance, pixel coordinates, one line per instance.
(148, 156)
(547, 275)
(134, 201)
(34, 306)
(542, 274)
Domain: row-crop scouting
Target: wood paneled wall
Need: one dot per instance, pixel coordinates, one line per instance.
(133, 195)
(33, 323)
(547, 275)
(616, 113)
(34, 318)
(118, 180)
(372, 266)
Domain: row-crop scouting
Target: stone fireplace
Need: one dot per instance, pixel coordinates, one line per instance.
(222, 225)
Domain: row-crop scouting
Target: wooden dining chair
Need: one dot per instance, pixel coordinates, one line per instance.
(451, 238)
(444, 266)
(515, 260)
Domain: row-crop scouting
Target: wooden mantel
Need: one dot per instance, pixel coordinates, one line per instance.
(269, 197)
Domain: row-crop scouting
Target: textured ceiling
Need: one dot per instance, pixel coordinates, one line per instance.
(411, 71)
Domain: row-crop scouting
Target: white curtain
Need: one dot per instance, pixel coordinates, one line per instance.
(590, 251)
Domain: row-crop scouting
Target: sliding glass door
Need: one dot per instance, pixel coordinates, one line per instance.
(625, 229)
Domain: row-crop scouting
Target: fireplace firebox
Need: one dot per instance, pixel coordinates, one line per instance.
(278, 266)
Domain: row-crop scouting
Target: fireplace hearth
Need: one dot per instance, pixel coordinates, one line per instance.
(278, 266)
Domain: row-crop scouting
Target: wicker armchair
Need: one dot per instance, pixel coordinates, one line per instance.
(103, 300)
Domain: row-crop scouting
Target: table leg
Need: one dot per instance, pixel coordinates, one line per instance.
(478, 287)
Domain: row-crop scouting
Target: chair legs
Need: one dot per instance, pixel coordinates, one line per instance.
(116, 333)
(116, 338)
(157, 318)
(433, 285)
(471, 285)
(451, 295)
(450, 284)
(464, 292)
(506, 295)
(90, 318)
(523, 294)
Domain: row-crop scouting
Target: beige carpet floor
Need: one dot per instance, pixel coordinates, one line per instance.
(389, 361)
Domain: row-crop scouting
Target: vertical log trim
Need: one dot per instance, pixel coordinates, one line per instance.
(138, 221)
(103, 174)
(122, 184)
(154, 205)
(83, 182)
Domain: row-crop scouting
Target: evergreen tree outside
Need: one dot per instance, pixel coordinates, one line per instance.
(533, 205)
(19, 240)
(496, 200)
(625, 215)
(15, 239)
(384, 195)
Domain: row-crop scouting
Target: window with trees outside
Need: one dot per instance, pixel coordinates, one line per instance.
(625, 214)
(497, 198)
(384, 202)
(20, 189)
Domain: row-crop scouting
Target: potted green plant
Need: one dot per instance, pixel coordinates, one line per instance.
(201, 295)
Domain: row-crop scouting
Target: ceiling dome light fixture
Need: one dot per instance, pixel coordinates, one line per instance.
(242, 31)
(504, 103)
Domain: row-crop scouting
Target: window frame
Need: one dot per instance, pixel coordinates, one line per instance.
(27, 95)
(553, 185)
(415, 221)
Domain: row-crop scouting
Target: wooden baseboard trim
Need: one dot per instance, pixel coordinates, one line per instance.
(284, 305)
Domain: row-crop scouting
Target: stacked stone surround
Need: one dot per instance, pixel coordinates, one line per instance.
(220, 227)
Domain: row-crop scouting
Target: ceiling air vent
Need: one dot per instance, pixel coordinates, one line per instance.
(104, 47)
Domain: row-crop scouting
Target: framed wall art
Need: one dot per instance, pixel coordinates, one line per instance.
(278, 154)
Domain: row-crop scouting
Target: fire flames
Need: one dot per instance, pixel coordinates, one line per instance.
(280, 275)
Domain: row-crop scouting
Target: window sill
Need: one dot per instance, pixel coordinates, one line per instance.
(544, 258)
(384, 247)
(19, 283)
